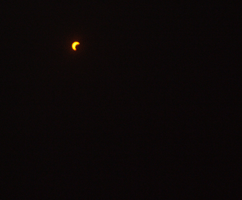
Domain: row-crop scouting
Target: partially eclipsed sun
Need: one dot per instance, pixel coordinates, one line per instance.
(74, 44)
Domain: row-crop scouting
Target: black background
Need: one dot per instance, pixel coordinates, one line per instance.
(143, 106)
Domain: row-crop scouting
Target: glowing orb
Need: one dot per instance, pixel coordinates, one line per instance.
(74, 44)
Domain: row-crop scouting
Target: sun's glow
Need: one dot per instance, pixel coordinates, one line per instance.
(74, 44)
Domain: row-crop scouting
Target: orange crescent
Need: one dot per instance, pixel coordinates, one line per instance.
(74, 44)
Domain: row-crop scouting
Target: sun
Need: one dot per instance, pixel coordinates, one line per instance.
(74, 44)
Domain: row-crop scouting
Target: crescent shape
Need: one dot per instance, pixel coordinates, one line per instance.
(74, 44)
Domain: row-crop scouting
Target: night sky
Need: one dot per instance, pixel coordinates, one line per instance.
(146, 82)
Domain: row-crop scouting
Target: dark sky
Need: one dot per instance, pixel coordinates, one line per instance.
(134, 48)
(146, 80)
(118, 39)
(139, 64)
(114, 36)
